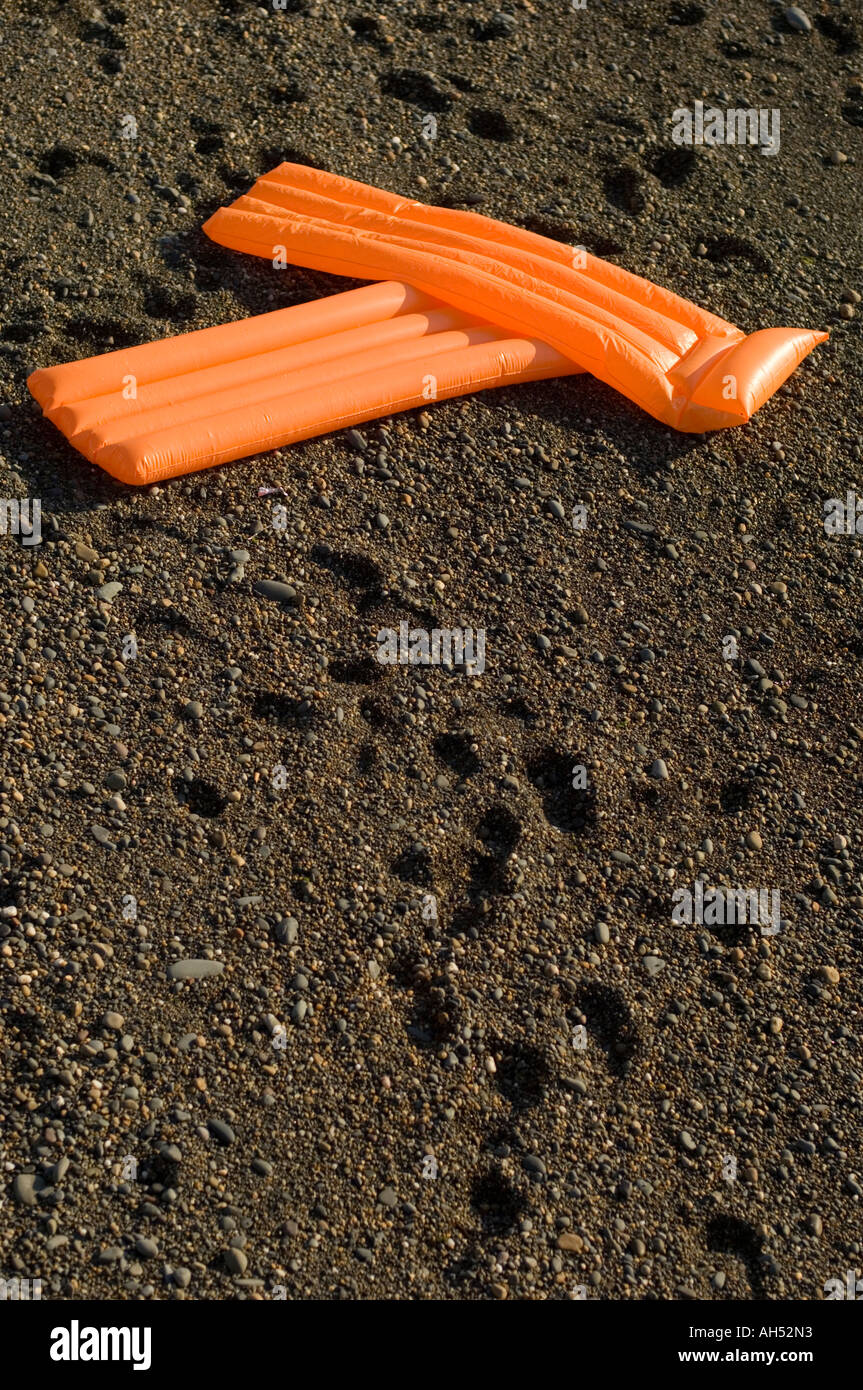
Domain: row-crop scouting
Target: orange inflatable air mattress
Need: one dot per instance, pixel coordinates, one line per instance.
(683, 365)
(464, 303)
(201, 399)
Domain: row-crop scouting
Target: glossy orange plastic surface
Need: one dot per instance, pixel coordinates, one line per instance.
(464, 303)
(204, 398)
(683, 365)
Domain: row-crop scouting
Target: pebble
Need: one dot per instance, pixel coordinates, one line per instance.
(114, 1022)
(221, 1131)
(24, 1189)
(287, 930)
(108, 592)
(190, 969)
(276, 590)
(753, 840)
(236, 1261)
(658, 770)
(798, 19)
(577, 1084)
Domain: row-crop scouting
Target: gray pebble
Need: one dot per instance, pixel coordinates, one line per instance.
(286, 930)
(534, 1164)
(274, 589)
(574, 1083)
(60, 1169)
(24, 1189)
(798, 19)
(110, 1255)
(221, 1131)
(195, 969)
(236, 1261)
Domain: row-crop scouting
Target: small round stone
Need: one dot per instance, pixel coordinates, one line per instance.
(236, 1261)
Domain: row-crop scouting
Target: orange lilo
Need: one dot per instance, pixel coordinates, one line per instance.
(464, 303)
